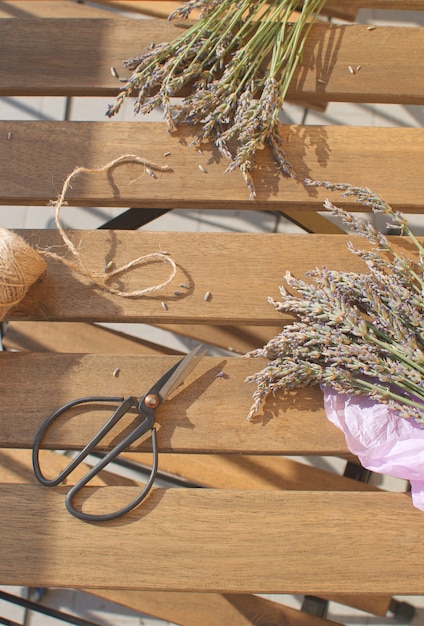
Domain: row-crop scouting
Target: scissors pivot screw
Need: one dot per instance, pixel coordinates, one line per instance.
(151, 400)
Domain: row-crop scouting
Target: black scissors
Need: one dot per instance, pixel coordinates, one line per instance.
(145, 408)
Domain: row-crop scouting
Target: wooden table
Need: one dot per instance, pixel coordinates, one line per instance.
(263, 528)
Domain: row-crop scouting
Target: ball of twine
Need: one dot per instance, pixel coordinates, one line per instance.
(20, 267)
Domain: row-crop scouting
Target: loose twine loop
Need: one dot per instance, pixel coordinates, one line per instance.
(21, 265)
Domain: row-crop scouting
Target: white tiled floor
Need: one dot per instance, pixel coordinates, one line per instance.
(89, 606)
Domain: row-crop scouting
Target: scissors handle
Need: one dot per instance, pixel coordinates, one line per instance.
(91, 517)
(125, 406)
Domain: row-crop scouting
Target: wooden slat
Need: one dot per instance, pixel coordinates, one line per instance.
(211, 609)
(163, 9)
(68, 8)
(312, 222)
(16, 468)
(237, 472)
(47, 8)
(215, 541)
(384, 54)
(62, 294)
(155, 8)
(192, 609)
(239, 609)
(266, 473)
(383, 159)
(339, 8)
(398, 5)
(90, 338)
(237, 339)
(76, 337)
(208, 414)
(81, 337)
(20, 8)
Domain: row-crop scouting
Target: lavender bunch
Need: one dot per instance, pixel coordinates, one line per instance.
(238, 59)
(359, 333)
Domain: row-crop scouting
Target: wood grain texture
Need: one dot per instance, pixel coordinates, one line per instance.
(245, 472)
(207, 414)
(82, 337)
(236, 339)
(76, 337)
(345, 9)
(258, 263)
(211, 609)
(16, 467)
(41, 59)
(47, 8)
(398, 5)
(236, 542)
(40, 156)
(330, 4)
(251, 472)
(163, 8)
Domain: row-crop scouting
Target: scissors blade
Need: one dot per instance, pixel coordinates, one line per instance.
(185, 366)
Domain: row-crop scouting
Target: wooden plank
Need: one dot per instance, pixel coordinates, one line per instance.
(238, 607)
(76, 337)
(70, 8)
(398, 5)
(155, 8)
(59, 8)
(263, 258)
(81, 337)
(312, 222)
(211, 609)
(237, 339)
(338, 8)
(40, 156)
(16, 467)
(266, 473)
(163, 9)
(215, 541)
(63, 8)
(384, 55)
(91, 338)
(206, 415)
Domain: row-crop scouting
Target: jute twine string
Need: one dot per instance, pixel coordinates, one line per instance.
(21, 265)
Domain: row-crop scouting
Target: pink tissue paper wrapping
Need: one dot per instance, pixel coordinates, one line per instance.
(383, 441)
